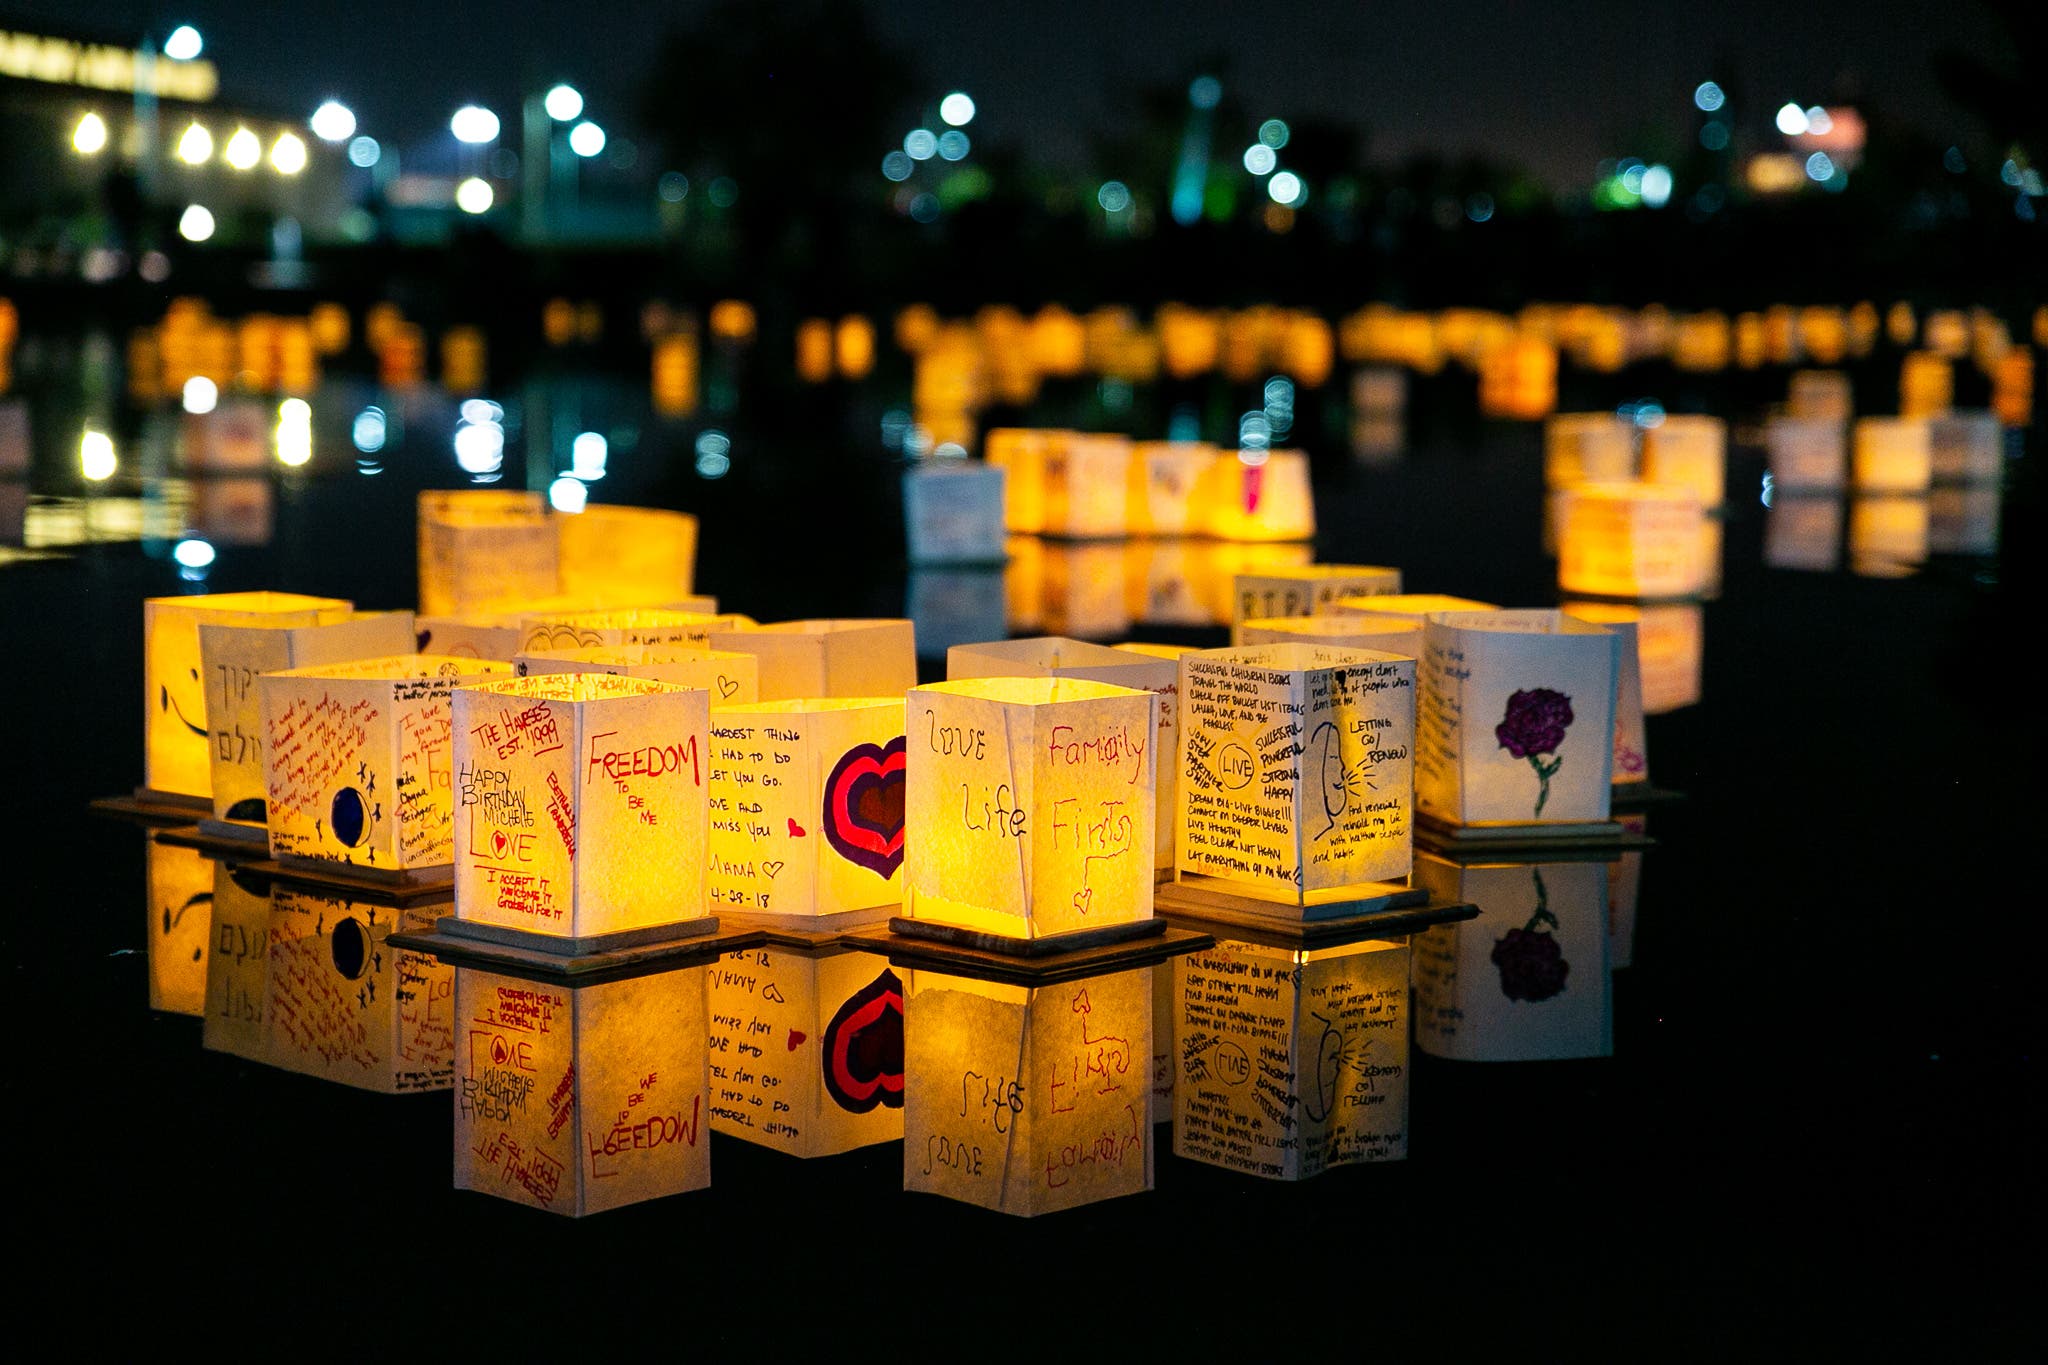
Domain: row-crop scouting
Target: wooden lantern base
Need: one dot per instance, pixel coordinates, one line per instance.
(212, 837)
(1195, 894)
(588, 959)
(792, 931)
(1637, 795)
(1441, 836)
(375, 884)
(148, 806)
(1027, 962)
(1254, 926)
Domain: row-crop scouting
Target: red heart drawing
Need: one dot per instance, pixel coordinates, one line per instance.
(1083, 897)
(864, 806)
(796, 831)
(499, 843)
(796, 1038)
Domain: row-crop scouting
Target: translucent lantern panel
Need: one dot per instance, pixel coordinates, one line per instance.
(1382, 631)
(179, 901)
(1164, 476)
(1632, 540)
(1968, 447)
(1582, 446)
(690, 625)
(1807, 452)
(874, 657)
(1087, 485)
(729, 677)
(953, 513)
(1306, 590)
(627, 556)
(1892, 455)
(484, 549)
(1020, 453)
(1028, 1100)
(343, 1005)
(1631, 735)
(1257, 499)
(1691, 452)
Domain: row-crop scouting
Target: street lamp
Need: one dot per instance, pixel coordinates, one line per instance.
(474, 124)
(586, 139)
(564, 103)
(184, 43)
(333, 121)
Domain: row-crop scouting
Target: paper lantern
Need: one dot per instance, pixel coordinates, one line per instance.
(1020, 452)
(1061, 657)
(1516, 720)
(1631, 735)
(1685, 451)
(806, 1049)
(1889, 533)
(1820, 394)
(673, 376)
(807, 810)
(1963, 520)
(872, 657)
(1892, 455)
(1296, 773)
(1670, 638)
(1087, 485)
(1031, 808)
(627, 556)
(1803, 531)
(2012, 388)
(1256, 496)
(953, 512)
(580, 803)
(232, 439)
(1824, 333)
(1631, 540)
(1526, 981)
(1807, 452)
(727, 676)
(1189, 340)
(1154, 650)
(237, 966)
(343, 1005)
(1418, 605)
(950, 606)
(1024, 582)
(472, 635)
(483, 549)
(359, 761)
(1306, 590)
(1588, 446)
(688, 627)
(1053, 1082)
(1966, 447)
(1384, 631)
(1946, 333)
(1752, 347)
(1518, 379)
(1701, 342)
(1163, 584)
(1293, 1061)
(232, 657)
(1380, 391)
(1163, 478)
(178, 897)
(1926, 385)
(581, 1099)
(177, 743)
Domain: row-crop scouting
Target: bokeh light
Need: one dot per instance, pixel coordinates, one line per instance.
(195, 224)
(475, 195)
(200, 395)
(474, 125)
(586, 139)
(563, 103)
(333, 121)
(957, 109)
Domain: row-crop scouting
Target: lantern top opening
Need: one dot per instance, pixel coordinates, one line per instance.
(1415, 604)
(1053, 651)
(577, 687)
(634, 655)
(616, 618)
(398, 668)
(1032, 691)
(1605, 613)
(1537, 621)
(1339, 623)
(828, 627)
(251, 601)
(1299, 656)
(805, 706)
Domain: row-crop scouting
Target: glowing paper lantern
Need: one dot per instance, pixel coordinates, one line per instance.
(1926, 385)
(691, 628)
(1020, 452)
(1518, 379)
(1164, 476)
(727, 676)
(1807, 452)
(806, 1050)
(953, 512)
(177, 743)
(1631, 735)
(1061, 657)
(1516, 721)
(1057, 1099)
(343, 1005)
(1963, 521)
(483, 549)
(1892, 455)
(807, 810)
(1967, 447)
(871, 657)
(1256, 496)
(472, 635)
(234, 438)
(1292, 1060)
(233, 657)
(2012, 388)
(581, 1099)
(238, 967)
(1821, 394)
(1701, 342)
(1031, 807)
(1382, 631)
(359, 761)
(1588, 446)
(1888, 532)
(1418, 605)
(1803, 532)
(1631, 540)
(178, 895)
(1685, 451)
(579, 803)
(1163, 583)
(1295, 768)
(627, 556)
(1087, 486)
(1306, 590)
(1526, 981)
(1671, 639)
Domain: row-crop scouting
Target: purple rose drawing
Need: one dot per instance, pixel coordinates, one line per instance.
(1532, 966)
(1533, 727)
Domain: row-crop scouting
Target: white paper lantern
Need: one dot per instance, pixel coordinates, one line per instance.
(828, 658)
(1807, 452)
(1164, 477)
(1967, 447)
(728, 676)
(1687, 451)
(953, 512)
(1632, 540)
(1305, 591)
(1892, 455)
(1582, 446)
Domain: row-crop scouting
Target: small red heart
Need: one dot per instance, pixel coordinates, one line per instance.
(499, 842)
(796, 831)
(796, 1038)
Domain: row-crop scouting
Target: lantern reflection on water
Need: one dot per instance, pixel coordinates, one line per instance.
(1631, 540)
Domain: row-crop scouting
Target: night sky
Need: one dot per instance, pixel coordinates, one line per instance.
(1551, 85)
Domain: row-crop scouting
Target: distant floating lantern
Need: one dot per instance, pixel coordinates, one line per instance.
(1528, 980)
(814, 350)
(1752, 346)
(1888, 532)
(1863, 328)
(728, 677)
(853, 347)
(1631, 735)
(1059, 341)
(558, 322)
(177, 737)
(1583, 446)
(865, 657)
(402, 357)
(1209, 570)
(1781, 335)
(1518, 379)
(626, 556)
(1803, 531)
(234, 656)
(1296, 768)
(1807, 452)
(1702, 343)
(1311, 352)
(807, 803)
(483, 549)
(1901, 327)
(1256, 496)
(732, 320)
(1379, 391)
(953, 512)
(807, 1049)
(674, 378)
(1031, 806)
(462, 359)
(1946, 333)
(1892, 455)
(1418, 605)
(329, 325)
(1670, 642)
(1963, 520)
(1382, 631)
(1824, 334)
(1631, 540)
(1291, 1061)
(1516, 719)
(1189, 341)
(1967, 447)
(559, 628)
(1061, 657)
(1687, 451)
(2012, 388)
(916, 325)
(1021, 452)
(1307, 590)
(1087, 486)
(1163, 478)
(578, 1099)
(1058, 1100)
(1926, 385)
(359, 761)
